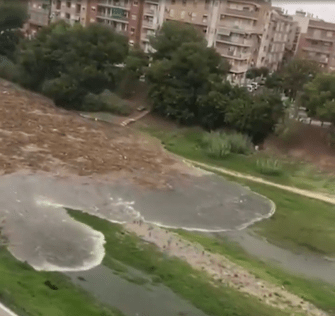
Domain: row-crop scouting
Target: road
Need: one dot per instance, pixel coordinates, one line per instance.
(4, 311)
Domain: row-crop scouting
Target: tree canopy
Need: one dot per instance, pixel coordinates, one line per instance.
(319, 97)
(297, 73)
(69, 57)
(12, 16)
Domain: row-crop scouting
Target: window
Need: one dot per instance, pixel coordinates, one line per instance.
(132, 30)
(78, 7)
(184, 2)
(133, 17)
(222, 16)
(182, 14)
(171, 13)
(68, 4)
(135, 2)
(205, 30)
(207, 4)
(193, 16)
(173, 1)
(67, 16)
(264, 49)
(317, 33)
(204, 18)
(329, 34)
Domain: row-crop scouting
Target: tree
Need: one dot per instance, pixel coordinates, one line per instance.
(12, 16)
(253, 73)
(274, 81)
(318, 97)
(171, 36)
(84, 58)
(255, 115)
(178, 84)
(297, 73)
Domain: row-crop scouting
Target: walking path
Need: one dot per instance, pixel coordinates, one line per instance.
(306, 193)
(4, 311)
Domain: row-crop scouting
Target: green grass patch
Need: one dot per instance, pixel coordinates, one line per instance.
(299, 222)
(320, 294)
(211, 297)
(32, 293)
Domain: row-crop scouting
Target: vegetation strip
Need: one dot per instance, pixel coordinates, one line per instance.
(213, 297)
(28, 292)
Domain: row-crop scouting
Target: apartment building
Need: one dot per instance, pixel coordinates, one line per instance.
(72, 11)
(39, 15)
(316, 40)
(278, 37)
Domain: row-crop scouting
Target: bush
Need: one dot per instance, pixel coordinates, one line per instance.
(240, 144)
(8, 70)
(269, 167)
(216, 145)
(106, 101)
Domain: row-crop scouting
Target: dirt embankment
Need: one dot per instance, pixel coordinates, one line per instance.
(37, 136)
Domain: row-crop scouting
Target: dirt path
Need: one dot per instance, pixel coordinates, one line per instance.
(306, 193)
(222, 269)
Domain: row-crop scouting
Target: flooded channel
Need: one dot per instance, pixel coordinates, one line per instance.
(130, 298)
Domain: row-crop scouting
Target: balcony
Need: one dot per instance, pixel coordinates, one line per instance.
(114, 4)
(319, 38)
(148, 24)
(225, 52)
(252, 15)
(239, 69)
(148, 11)
(234, 41)
(318, 49)
(112, 17)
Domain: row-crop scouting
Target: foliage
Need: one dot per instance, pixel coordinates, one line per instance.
(171, 36)
(77, 60)
(8, 69)
(253, 73)
(297, 73)
(220, 145)
(255, 115)
(105, 101)
(318, 97)
(269, 167)
(217, 145)
(12, 16)
(274, 81)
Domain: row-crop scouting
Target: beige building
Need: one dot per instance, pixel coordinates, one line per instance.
(39, 15)
(233, 27)
(278, 36)
(72, 11)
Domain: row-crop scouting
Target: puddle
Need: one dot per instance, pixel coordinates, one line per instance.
(130, 298)
(298, 263)
(40, 231)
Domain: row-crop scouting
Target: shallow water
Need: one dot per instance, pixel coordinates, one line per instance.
(130, 298)
(40, 231)
(299, 263)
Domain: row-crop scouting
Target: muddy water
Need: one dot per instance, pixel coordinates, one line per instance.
(299, 263)
(130, 298)
(40, 231)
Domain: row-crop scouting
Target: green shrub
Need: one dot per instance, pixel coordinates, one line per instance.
(106, 101)
(240, 144)
(220, 145)
(269, 167)
(8, 70)
(216, 145)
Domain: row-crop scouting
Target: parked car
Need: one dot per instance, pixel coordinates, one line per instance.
(254, 85)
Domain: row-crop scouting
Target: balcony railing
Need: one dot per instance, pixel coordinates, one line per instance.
(253, 15)
(113, 4)
(147, 23)
(239, 69)
(233, 41)
(319, 49)
(112, 17)
(233, 54)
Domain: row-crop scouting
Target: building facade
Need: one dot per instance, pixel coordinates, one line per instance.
(39, 15)
(277, 38)
(316, 40)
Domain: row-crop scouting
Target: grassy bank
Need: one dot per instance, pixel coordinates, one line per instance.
(32, 293)
(212, 298)
(320, 294)
(299, 222)
(187, 142)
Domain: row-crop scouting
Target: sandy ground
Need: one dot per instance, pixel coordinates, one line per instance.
(37, 136)
(220, 268)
